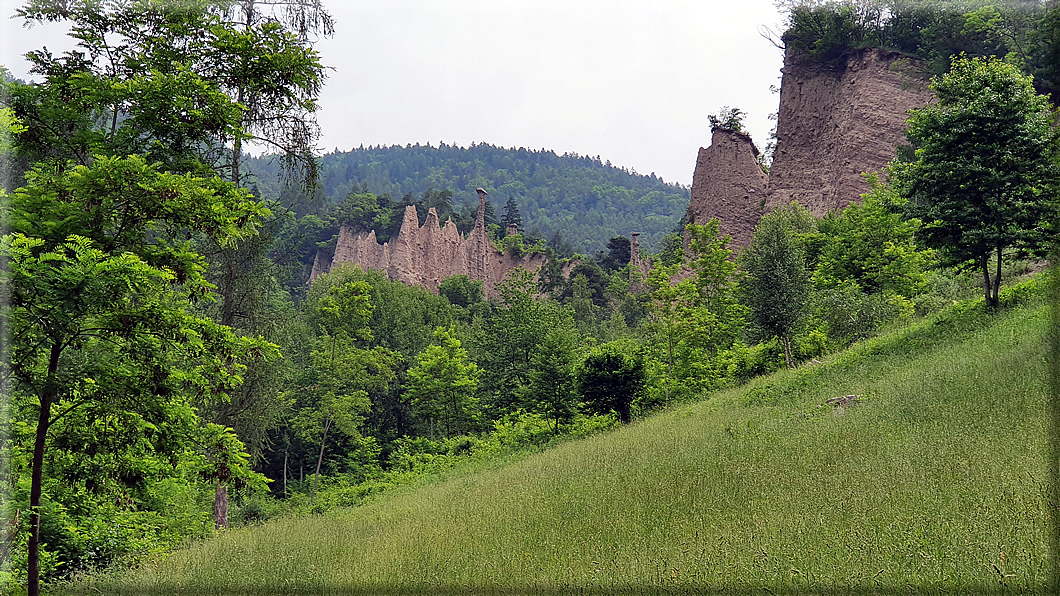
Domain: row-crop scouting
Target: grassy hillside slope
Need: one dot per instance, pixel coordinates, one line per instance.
(936, 481)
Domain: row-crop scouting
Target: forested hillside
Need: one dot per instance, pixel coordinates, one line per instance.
(585, 200)
(169, 374)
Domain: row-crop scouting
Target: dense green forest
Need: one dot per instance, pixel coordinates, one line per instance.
(170, 374)
(582, 199)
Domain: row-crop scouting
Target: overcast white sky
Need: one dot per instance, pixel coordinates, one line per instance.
(629, 80)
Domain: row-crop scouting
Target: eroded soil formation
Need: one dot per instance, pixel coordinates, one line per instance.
(834, 125)
(728, 184)
(425, 255)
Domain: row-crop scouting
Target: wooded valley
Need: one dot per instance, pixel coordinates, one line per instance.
(170, 376)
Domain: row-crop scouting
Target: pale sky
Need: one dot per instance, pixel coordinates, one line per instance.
(632, 81)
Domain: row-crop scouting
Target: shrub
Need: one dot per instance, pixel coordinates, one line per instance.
(611, 378)
(851, 315)
(825, 33)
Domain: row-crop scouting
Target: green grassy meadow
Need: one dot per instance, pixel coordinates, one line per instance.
(937, 480)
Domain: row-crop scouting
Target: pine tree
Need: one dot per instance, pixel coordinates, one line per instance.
(511, 215)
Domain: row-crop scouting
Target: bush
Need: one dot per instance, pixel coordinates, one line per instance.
(1023, 292)
(82, 531)
(416, 455)
(255, 509)
(744, 362)
(584, 426)
(461, 290)
(516, 431)
(943, 288)
(851, 315)
(810, 344)
(514, 245)
(826, 33)
(611, 379)
(348, 492)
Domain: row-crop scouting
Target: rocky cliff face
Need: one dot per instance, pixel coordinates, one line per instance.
(834, 125)
(425, 255)
(728, 184)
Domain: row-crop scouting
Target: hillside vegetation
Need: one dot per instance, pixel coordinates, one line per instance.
(584, 199)
(1025, 33)
(172, 379)
(936, 480)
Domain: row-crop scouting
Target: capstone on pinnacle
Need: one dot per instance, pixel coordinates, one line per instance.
(480, 218)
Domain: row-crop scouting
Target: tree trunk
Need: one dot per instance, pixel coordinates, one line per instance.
(229, 275)
(984, 263)
(456, 414)
(220, 506)
(997, 277)
(227, 287)
(36, 482)
(448, 425)
(229, 256)
(670, 362)
(37, 473)
(237, 142)
(320, 459)
(788, 359)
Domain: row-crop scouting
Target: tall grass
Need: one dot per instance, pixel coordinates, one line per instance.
(935, 481)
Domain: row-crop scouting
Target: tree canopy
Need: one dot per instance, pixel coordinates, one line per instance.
(1023, 33)
(778, 282)
(101, 290)
(129, 133)
(985, 169)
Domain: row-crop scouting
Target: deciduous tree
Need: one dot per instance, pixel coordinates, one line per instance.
(461, 290)
(100, 287)
(186, 84)
(870, 245)
(777, 285)
(334, 389)
(985, 170)
(504, 343)
(442, 385)
(698, 317)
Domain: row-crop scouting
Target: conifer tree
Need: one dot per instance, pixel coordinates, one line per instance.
(511, 215)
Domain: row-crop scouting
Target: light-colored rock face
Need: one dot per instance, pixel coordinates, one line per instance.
(835, 125)
(426, 255)
(728, 184)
